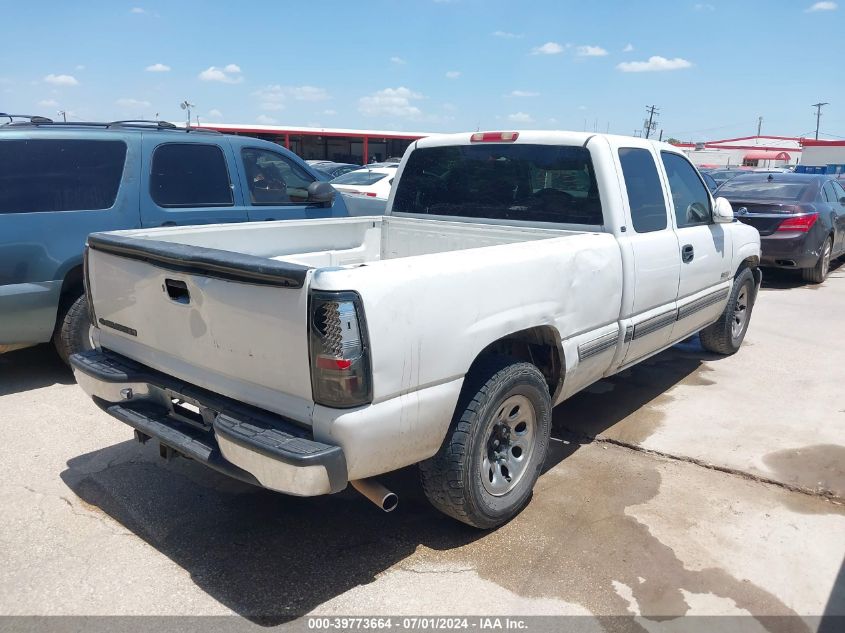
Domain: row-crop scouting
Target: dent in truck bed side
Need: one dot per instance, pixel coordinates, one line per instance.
(209, 262)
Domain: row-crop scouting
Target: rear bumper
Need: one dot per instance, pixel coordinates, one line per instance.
(790, 250)
(27, 313)
(240, 441)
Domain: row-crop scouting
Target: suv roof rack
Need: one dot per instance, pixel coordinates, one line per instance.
(33, 118)
(130, 123)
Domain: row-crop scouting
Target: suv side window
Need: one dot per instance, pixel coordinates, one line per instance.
(645, 194)
(691, 198)
(273, 178)
(38, 175)
(190, 175)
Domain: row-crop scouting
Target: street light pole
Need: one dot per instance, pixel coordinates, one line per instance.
(818, 107)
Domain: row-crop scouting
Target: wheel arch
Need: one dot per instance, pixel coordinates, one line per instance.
(539, 345)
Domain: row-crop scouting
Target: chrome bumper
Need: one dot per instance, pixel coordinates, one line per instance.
(240, 441)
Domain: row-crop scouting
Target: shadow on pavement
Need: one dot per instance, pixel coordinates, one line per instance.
(272, 558)
(32, 368)
(833, 618)
(628, 402)
(784, 279)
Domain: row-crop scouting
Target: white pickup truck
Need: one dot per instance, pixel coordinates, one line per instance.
(511, 270)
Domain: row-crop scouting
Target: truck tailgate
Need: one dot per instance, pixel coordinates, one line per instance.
(235, 324)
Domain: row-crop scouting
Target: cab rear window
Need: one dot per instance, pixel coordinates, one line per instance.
(526, 182)
(38, 175)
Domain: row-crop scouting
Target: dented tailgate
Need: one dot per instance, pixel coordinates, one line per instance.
(232, 323)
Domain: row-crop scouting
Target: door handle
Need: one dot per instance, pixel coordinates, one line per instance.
(687, 253)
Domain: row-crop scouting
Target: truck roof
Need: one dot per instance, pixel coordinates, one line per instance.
(542, 137)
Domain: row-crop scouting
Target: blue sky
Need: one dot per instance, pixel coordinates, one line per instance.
(434, 65)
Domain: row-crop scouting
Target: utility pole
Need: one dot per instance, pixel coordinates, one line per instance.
(650, 124)
(818, 107)
(759, 124)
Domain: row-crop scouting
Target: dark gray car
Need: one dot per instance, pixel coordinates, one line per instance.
(800, 217)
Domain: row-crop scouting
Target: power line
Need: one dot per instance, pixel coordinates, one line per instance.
(818, 107)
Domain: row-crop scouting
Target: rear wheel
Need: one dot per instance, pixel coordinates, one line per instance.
(485, 471)
(818, 273)
(726, 335)
(73, 329)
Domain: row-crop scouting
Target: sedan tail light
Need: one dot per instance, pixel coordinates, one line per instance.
(799, 223)
(340, 355)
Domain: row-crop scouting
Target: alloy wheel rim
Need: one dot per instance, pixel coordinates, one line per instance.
(507, 450)
(740, 313)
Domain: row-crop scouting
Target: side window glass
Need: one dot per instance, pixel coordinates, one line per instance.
(190, 175)
(274, 179)
(839, 191)
(40, 175)
(830, 194)
(692, 202)
(645, 195)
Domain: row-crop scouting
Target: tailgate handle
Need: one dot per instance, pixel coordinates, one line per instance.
(177, 290)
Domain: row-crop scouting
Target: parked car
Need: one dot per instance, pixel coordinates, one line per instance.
(59, 182)
(723, 175)
(332, 169)
(512, 270)
(373, 182)
(800, 217)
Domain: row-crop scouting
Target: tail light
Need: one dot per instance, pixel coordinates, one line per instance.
(799, 223)
(340, 355)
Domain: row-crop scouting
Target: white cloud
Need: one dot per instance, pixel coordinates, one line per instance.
(79, 67)
(129, 103)
(523, 93)
(61, 80)
(506, 35)
(329, 112)
(397, 60)
(453, 74)
(549, 48)
(263, 119)
(520, 117)
(582, 107)
(822, 6)
(214, 113)
(390, 102)
(137, 10)
(48, 103)
(703, 6)
(158, 68)
(655, 63)
(273, 97)
(552, 120)
(229, 74)
(591, 51)
(628, 48)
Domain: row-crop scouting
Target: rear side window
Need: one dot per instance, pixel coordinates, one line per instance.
(59, 175)
(690, 196)
(360, 177)
(190, 175)
(536, 183)
(645, 194)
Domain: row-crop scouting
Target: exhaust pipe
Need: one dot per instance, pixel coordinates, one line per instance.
(378, 494)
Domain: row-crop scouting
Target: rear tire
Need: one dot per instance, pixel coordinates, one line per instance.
(726, 335)
(73, 329)
(818, 273)
(485, 471)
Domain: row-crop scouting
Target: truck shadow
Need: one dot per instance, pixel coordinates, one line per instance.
(628, 406)
(32, 368)
(272, 558)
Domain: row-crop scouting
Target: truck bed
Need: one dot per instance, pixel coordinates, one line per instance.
(345, 241)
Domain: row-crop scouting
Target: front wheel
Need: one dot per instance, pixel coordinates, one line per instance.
(726, 335)
(485, 470)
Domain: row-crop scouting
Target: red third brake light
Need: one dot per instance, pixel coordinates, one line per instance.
(801, 223)
(493, 137)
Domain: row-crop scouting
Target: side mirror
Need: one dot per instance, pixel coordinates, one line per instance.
(723, 213)
(321, 193)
